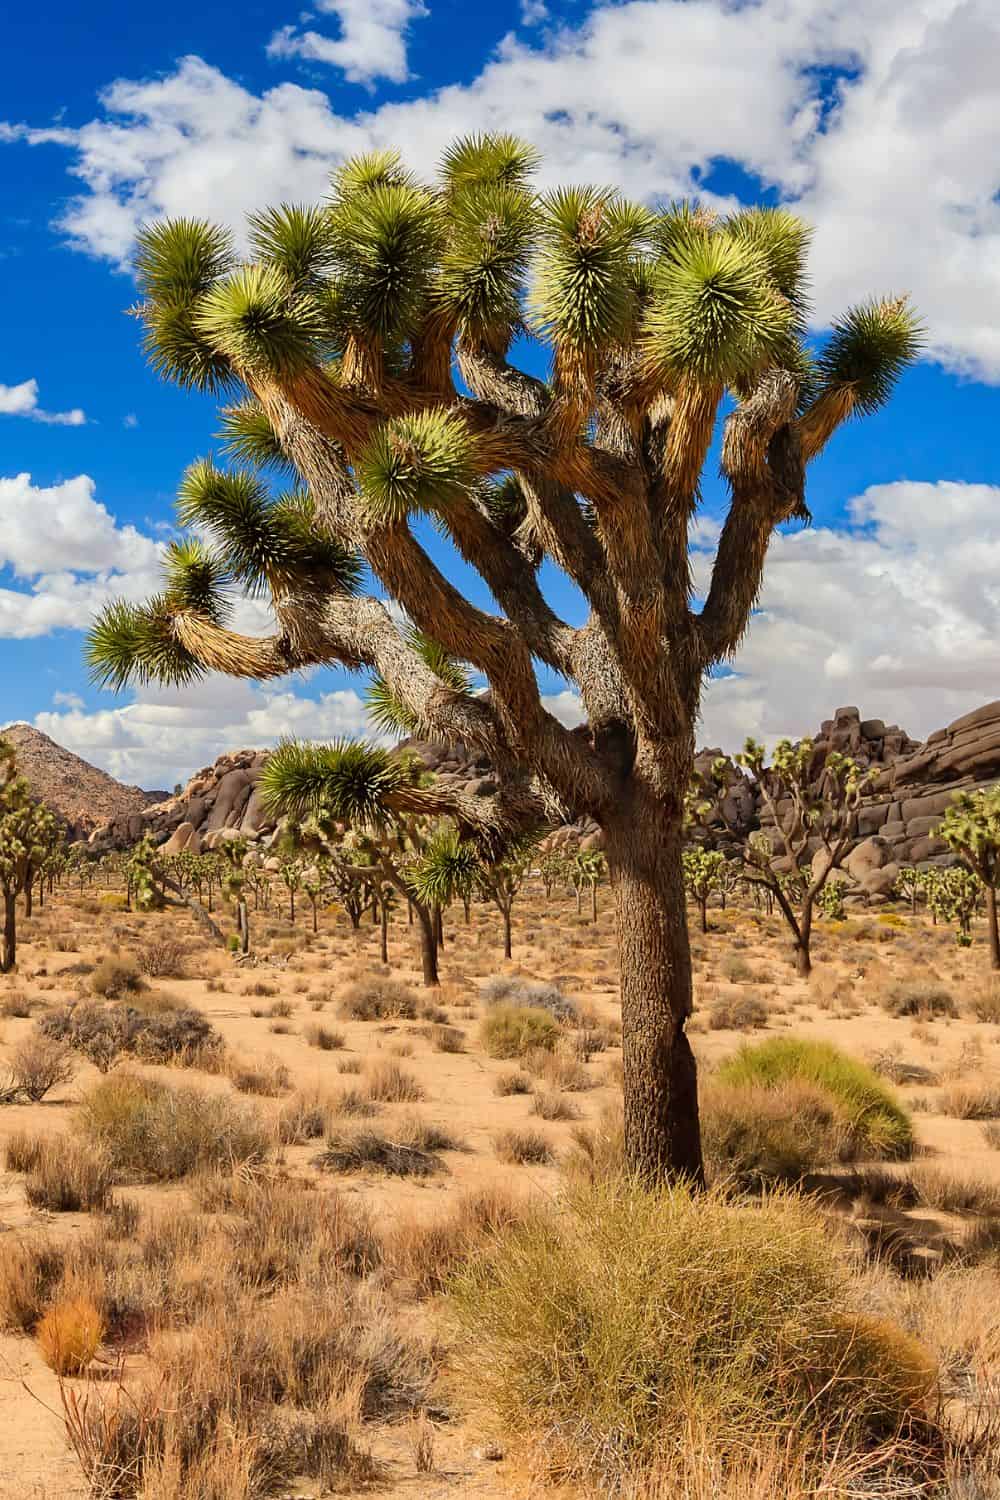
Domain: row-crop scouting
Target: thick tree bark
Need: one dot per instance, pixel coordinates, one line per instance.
(507, 947)
(703, 912)
(992, 927)
(384, 917)
(428, 945)
(662, 1135)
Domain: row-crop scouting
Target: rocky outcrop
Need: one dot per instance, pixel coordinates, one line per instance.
(913, 784)
(83, 796)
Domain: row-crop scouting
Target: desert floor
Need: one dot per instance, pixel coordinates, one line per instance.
(745, 988)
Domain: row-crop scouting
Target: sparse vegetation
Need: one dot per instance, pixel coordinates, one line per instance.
(509, 1031)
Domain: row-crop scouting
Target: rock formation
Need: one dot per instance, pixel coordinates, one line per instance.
(912, 786)
(84, 797)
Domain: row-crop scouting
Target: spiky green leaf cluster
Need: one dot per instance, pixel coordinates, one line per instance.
(971, 828)
(387, 239)
(137, 644)
(260, 323)
(415, 463)
(446, 869)
(249, 438)
(484, 261)
(714, 314)
(263, 542)
(584, 293)
(176, 262)
(868, 350)
(295, 240)
(476, 161)
(386, 709)
(351, 781)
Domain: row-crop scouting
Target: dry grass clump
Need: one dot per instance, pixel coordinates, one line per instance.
(985, 1003)
(69, 1334)
(523, 1148)
(447, 1038)
(878, 1122)
(29, 1272)
(15, 1006)
(39, 1064)
(508, 989)
(513, 1082)
(326, 1038)
(551, 1105)
(509, 1031)
(150, 1130)
(559, 1069)
(304, 1117)
(971, 1101)
(753, 1135)
(426, 1254)
(737, 1013)
(266, 1077)
(388, 1083)
(116, 975)
(64, 1176)
(363, 1149)
(600, 1335)
(921, 998)
(378, 998)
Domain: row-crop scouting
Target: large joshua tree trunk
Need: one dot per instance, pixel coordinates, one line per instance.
(8, 948)
(992, 926)
(643, 847)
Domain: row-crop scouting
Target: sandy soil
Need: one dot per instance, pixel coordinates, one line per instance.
(744, 954)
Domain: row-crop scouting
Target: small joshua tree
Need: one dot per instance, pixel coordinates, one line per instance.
(501, 880)
(366, 343)
(813, 816)
(702, 875)
(28, 832)
(952, 896)
(971, 827)
(910, 885)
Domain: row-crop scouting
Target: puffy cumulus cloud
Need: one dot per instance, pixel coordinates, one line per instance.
(164, 736)
(70, 552)
(22, 401)
(371, 44)
(860, 112)
(898, 613)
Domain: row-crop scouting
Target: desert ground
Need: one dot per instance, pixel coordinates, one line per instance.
(888, 988)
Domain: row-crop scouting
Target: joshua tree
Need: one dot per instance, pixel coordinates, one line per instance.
(910, 885)
(813, 811)
(586, 871)
(971, 827)
(28, 832)
(953, 895)
(291, 874)
(367, 341)
(702, 875)
(501, 880)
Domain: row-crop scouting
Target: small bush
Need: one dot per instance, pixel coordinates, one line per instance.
(427, 1254)
(115, 976)
(552, 1105)
(65, 1177)
(523, 1148)
(602, 1334)
(326, 1038)
(29, 1272)
(971, 1101)
(879, 1123)
(23, 1151)
(266, 1077)
(509, 1031)
(388, 1083)
(513, 1083)
(378, 998)
(150, 1130)
(280, 1010)
(40, 1064)
(304, 1117)
(920, 998)
(367, 1150)
(163, 958)
(509, 990)
(737, 1013)
(15, 1006)
(69, 1335)
(447, 1038)
(754, 1135)
(736, 969)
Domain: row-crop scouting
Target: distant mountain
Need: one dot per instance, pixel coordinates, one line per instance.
(83, 796)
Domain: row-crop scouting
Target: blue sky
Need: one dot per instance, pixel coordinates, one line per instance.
(861, 114)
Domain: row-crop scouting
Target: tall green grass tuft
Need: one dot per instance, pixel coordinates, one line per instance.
(879, 1123)
(602, 1333)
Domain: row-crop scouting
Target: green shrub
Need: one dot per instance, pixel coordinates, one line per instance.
(149, 1130)
(880, 1125)
(508, 1031)
(602, 1333)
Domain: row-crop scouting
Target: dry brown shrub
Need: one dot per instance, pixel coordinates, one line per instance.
(523, 1148)
(390, 1084)
(551, 1105)
(67, 1177)
(69, 1334)
(39, 1064)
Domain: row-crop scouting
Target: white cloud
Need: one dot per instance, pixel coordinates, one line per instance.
(22, 401)
(533, 12)
(166, 735)
(130, 420)
(69, 549)
(896, 159)
(371, 44)
(68, 700)
(899, 614)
